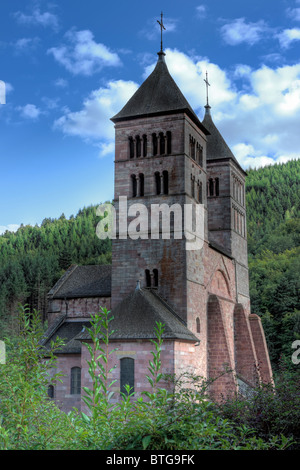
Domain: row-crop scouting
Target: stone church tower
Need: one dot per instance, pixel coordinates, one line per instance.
(167, 160)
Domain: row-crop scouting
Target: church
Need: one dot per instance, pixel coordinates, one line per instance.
(166, 156)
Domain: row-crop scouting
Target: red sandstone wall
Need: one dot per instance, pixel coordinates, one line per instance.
(77, 308)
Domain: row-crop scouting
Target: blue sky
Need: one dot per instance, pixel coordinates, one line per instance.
(69, 66)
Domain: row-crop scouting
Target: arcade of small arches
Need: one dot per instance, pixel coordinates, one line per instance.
(161, 144)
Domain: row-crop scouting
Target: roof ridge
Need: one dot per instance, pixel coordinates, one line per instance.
(53, 328)
(167, 306)
(62, 279)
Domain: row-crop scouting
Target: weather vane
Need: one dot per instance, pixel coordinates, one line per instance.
(207, 85)
(161, 24)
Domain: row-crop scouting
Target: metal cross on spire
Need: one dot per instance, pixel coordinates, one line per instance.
(207, 85)
(161, 24)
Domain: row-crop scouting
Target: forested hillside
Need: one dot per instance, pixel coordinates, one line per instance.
(273, 214)
(33, 258)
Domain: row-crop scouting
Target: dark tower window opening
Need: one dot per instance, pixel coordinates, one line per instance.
(169, 142)
(154, 144)
(166, 182)
(141, 180)
(50, 391)
(155, 277)
(134, 185)
(148, 278)
(192, 147)
(200, 155)
(162, 145)
(200, 197)
(131, 147)
(75, 381)
(157, 183)
(193, 185)
(197, 325)
(138, 146)
(144, 145)
(126, 374)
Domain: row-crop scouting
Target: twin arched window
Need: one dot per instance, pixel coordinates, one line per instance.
(161, 182)
(137, 185)
(196, 151)
(137, 146)
(213, 187)
(151, 279)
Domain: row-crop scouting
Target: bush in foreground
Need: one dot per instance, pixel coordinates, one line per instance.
(183, 419)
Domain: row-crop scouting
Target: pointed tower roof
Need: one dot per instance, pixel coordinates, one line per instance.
(216, 149)
(158, 95)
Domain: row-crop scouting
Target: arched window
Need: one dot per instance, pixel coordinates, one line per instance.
(169, 142)
(192, 147)
(162, 145)
(126, 374)
(166, 182)
(138, 146)
(144, 145)
(193, 185)
(200, 197)
(141, 180)
(197, 325)
(155, 277)
(148, 278)
(134, 185)
(50, 391)
(131, 147)
(75, 381)
(157, 183)
(154, 144)
(200, 157)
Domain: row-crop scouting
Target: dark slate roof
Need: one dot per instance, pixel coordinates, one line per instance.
(83, 281)
(216, 148)
(67, 331)
(136, 316)
(158, 95)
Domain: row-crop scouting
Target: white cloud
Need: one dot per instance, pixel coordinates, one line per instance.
(288, 36)
(82, 55)
(189, 74)
(293, 13)
(201, 11)
(61, 83)
(238, 31)
(29, 111)
(45, 19)
(26, 44)
(92, 122)
(256, 110)
(10, 228)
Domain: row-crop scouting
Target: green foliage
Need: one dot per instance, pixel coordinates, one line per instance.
(34, 258)
(28, 419)
(270, 411)
(179, 417)
(273, 215)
